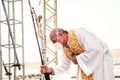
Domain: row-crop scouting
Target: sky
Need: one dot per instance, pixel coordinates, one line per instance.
(99, 16)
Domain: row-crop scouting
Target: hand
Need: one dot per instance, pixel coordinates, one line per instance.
(74, 60)
(45, 69)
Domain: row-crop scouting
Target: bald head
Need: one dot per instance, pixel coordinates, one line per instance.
(54, 32)
(57, 30)
(57, 33)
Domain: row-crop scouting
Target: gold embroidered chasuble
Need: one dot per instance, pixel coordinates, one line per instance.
(75, 48)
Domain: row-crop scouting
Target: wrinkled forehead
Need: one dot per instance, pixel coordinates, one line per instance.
(52, 35)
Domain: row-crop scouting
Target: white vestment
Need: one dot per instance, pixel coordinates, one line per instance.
(96, 59)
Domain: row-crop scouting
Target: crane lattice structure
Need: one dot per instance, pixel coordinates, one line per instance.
(16, 24)
(7, 55)
(49, 22)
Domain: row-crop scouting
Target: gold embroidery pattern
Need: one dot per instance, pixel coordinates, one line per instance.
(76, 48)
(75, 45)
(68, 52)
(84, 77)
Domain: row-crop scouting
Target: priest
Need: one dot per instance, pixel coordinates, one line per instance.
(84, 49)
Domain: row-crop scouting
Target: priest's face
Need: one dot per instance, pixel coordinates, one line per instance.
(60, 38)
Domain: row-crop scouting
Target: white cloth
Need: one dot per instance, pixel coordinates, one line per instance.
(96, 59)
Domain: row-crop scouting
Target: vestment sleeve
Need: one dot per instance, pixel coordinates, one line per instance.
(63, 66)
(90, 60)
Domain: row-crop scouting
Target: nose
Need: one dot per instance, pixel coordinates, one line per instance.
(60, 40)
